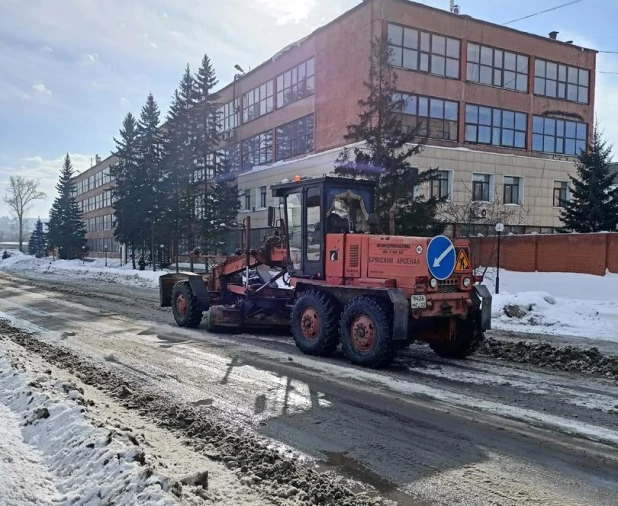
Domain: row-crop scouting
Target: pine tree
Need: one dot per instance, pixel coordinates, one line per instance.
(125, 193)
(384, 158)
(37, 245)
(593, 206)
(148, 176)
(66, 230)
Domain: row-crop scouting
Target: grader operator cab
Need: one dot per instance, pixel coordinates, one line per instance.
(326, 273)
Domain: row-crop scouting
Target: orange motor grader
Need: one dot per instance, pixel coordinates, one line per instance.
(324, 273)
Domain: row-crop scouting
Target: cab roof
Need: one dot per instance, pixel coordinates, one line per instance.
(283, 189)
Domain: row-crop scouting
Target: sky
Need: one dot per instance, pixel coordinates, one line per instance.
(72, 69)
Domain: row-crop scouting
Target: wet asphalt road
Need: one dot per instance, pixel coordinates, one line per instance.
(425, 431)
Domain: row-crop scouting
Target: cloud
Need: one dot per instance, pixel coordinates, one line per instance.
(125, 102)
(46, 171)
(47, 49)
(286, 11)
(41, 88)
(91, 57)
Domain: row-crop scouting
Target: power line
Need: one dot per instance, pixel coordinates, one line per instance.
(542, 12)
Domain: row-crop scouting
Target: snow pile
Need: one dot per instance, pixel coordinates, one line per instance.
(95, 270)
(56, 444)
(556, 303)
(24, 479)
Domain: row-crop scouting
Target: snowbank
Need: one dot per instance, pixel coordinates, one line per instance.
(52, 455)
(556, 303)
(96, 270)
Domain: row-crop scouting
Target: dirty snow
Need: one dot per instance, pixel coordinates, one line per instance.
(95, 270)
(556, 303)
(50, 454)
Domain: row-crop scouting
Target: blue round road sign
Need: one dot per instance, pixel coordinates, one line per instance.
(441, 257)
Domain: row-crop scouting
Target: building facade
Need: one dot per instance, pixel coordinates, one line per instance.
(93, 193)
(505, 112)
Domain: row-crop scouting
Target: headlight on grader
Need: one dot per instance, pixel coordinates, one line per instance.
(466, 282)
(433, 282)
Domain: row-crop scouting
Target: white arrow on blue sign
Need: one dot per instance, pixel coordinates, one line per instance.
(441, 257)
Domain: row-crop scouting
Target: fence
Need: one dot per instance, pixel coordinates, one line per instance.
(580, 253)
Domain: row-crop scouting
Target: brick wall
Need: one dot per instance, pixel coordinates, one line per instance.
(581, 253)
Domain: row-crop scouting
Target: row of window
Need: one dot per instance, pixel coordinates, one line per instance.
(287, 88)
(438, 119)
(414, 49)
(102, 245)
(292, 139)
(483, 189)
(90, 183)
(97, 202)
(99, 223)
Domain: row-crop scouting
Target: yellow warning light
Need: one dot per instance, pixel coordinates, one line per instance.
(297, 179)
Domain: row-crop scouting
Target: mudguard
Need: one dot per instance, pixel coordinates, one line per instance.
(401, 310)
(484, 294)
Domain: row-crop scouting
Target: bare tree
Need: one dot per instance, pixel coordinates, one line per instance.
(469, 215)
(19, 197)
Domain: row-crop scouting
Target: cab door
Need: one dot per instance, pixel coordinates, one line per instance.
(313, 236)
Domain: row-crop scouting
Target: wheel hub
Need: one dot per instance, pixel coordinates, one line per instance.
(363, 333)
(181, 305)
(310, 324)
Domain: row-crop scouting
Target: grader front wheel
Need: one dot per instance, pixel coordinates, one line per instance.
(184, 306)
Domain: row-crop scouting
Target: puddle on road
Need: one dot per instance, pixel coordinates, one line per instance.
(357, 471)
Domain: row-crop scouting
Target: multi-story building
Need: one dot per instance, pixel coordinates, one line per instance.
(504, 111)
(94, 198)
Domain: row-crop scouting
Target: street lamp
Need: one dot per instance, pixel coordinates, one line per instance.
(105, 249)
(83, 255)
(499, 229)
(161, 246)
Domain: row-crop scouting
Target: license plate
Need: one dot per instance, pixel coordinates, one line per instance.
(418, 302)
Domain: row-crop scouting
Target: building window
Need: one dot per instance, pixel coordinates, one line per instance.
(106, 176)
(199, 206)
(440, 187)
(229, 117)
(295, 138)
(107, 222)
(427, 52)
(495, 67)
(512, 190)
(257, 150)
(246, 204)
(499, 127)
(91, 183)
(558, 136)
(431, 117)
(296, 84)
(229, 157)
(481, 187)
(561, 81)
(561, 193)
(257, 102)
(263, 193)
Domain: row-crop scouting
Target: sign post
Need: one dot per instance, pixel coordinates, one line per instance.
(499, 229)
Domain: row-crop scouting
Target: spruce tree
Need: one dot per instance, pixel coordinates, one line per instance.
(593, 206)
(179, 162)
(37, 245)
(148, 178)
(66, 230)
(223, 203)
(125, 193)
(206, 142)
(385, 155)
